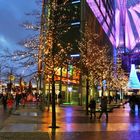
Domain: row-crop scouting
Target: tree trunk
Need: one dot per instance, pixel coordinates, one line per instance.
(40, 81)
(87, 93)
(109, 96)
(102, 90)
(60, 84)
(53, 103)
(102, 87)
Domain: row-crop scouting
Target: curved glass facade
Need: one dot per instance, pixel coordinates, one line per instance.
(120, 20)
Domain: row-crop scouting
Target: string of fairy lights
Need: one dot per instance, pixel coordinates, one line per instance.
(47, 49)
(38, 49)
(99, 65)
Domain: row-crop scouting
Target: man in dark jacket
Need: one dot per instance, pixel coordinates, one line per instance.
(92, 106)
(104, 107)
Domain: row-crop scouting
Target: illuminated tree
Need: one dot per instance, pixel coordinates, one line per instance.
(121, 77)
(55, 52)
(95, 60)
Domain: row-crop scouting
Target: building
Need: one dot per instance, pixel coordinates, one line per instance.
(120, 20)
(70, 18)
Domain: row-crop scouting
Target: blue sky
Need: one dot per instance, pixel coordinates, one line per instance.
(12, 15)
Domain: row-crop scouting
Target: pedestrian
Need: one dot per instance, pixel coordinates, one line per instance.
(138, 102)
(4, 101)
(23, 101)
(59, 98)
(103, 107)
(132, 102)
(110, 99)
(92, 106)
(10, 102)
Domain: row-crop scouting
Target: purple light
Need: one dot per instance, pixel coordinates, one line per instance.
(127, 38)
(136, 20)
(128, 15)
(126, 31)
(137, 8)
(117, 15)
(97, 13)
(130, 33)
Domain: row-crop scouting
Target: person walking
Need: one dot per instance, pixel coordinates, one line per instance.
(17, 98)
(4, 101)
(132, 102)
(104, 107)
(59, 98)
(10, 102)
(92, 106)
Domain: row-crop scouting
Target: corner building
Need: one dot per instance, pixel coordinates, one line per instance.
(73, 15)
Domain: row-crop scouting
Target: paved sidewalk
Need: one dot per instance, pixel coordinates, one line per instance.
(30, 123)
(3, 116)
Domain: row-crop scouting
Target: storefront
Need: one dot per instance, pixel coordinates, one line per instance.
(67, 81)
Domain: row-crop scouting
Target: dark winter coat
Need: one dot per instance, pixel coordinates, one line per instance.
(92, 104)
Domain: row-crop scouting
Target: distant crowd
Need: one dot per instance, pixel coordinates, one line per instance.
(10, 101)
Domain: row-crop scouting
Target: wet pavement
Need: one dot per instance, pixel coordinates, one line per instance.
(3, 116)
(30, 123)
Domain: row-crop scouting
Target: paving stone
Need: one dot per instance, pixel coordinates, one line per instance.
(73, 125)
(24, 136)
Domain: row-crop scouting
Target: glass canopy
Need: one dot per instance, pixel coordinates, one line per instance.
(123, 24)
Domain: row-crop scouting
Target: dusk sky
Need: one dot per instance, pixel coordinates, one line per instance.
(12, 15)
